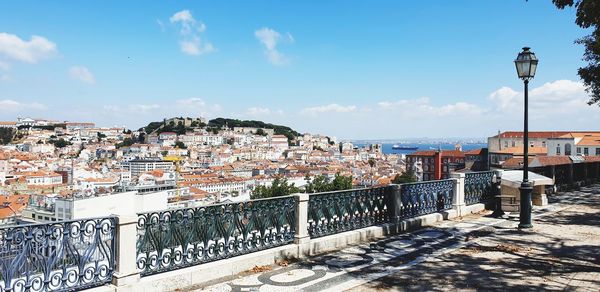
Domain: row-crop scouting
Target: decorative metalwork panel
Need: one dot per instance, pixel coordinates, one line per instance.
(334, 212)
(174, 239)
(58, 256)
(479, 187)
(426, 197)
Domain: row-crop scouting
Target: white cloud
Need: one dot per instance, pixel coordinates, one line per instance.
(330, 108)
(506, 99)
(558, 97)
(32, 51)
(9, 105)
(82, 74)
(190, 30)
(143, 108)
(4, 66)
(270, 38)
(258, 111)
(161, 25)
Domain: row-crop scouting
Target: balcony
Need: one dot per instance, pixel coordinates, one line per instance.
(171, 249)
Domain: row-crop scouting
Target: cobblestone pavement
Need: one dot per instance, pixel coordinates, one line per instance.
(561, 252)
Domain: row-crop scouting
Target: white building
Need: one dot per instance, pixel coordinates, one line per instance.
(139, 166)
(583, 144)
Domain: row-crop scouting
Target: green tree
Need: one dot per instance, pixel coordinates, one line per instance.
(341, 182)
(280, 187)
(406, 177)
(260, 132)
(126, 143)
(100, 136)
(322, 184)
(318, 184)
(6, 135)
(588, 17)
(180, 145)
(371, 162)
(60, 143)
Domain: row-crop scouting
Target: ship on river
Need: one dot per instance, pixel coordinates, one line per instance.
(400, 147)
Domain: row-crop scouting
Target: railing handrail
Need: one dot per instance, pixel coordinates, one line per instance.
(213, 205)
(112, 216)
(347, 190)
(475, 172)
(425, 182)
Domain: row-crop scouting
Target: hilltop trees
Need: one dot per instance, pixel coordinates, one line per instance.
(278, 129)
(588, 17)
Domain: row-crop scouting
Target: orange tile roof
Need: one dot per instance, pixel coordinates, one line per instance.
(474, 152)
(589, 141)
(553, 160)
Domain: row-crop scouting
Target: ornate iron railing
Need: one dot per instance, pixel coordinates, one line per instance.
(426, 197)
(174, 239)
(479, 187)
(334, 212)
(61, 256)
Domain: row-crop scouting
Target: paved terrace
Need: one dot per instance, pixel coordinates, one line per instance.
(475, 252)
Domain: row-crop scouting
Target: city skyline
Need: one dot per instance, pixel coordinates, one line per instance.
(354, 72)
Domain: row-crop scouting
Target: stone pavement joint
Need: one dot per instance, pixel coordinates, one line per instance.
(475, 253)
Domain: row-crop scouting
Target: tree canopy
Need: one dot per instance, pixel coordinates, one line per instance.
(278, 129)
(6, 135)
(126, 142)
(321, 183)
(406, 177)
(60, 143)
(588, 17)
(279, 188)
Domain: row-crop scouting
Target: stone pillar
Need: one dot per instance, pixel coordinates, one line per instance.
(302, 238)
(126, 275)
(301, 219)
(458, 199)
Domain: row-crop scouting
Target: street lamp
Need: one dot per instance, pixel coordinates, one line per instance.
(526, 64)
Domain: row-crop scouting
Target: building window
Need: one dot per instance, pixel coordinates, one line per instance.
(557, 149)
(505, 144)
(543, 143)
(513, 143)
(586, 151)
(597, 151)
(567, 149)
(578, 150)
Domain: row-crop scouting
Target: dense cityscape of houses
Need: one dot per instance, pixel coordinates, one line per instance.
(55, 170)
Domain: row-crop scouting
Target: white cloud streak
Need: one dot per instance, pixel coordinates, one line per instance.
(330, 108)
(82, 74)
(9, 105)
(270, 38)
(190, 34)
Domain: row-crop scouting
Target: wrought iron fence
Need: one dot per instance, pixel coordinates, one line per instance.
(334, 212)
(479, 187)
(61, 256)
(426, 197)
(174, 239)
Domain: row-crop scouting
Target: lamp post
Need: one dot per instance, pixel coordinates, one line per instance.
(526, 64)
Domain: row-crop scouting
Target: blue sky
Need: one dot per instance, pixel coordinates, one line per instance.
(351, 69)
